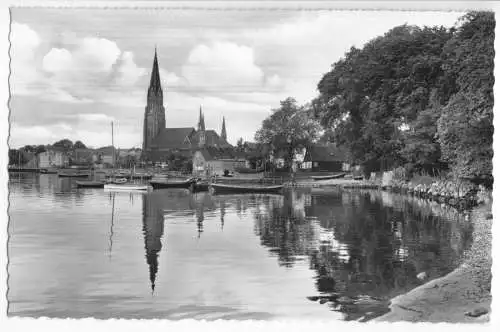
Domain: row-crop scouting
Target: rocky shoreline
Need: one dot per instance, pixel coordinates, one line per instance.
(462, 196)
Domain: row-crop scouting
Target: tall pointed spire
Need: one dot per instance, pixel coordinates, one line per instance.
(201, 121)
(223, 133)
(155, 83)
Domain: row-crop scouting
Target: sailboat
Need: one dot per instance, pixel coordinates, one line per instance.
(122, 186)
(90, 183)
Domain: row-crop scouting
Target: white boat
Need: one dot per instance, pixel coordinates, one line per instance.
(126, 187)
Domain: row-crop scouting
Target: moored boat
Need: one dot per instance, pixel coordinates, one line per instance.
(116, 180)
(48, 171)
(90, 184)
(126, 187)
(328, 177)
(72, 175)
(199, 186)
(171, 184)
(226, 188)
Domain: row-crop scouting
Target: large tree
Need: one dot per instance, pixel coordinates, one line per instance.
(372, 95)
(66, 144)
(79, 145)
(288, 129)
(465, 127)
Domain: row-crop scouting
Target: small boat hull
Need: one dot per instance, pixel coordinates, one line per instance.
(223, 189)
(171, 184)
(126, 187)
(200, 186)
(90, 184)
(75, 175)
(328, 177)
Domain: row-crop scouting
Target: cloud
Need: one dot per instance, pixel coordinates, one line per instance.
(95, 117)
(171, 80)
(222, 64)
(24, 43)
(128, 71)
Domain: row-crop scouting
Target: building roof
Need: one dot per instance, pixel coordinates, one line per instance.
(211, 139)
(217, 153)
(173, 138)
(325, 153)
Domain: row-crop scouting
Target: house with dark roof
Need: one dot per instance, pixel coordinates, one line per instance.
(326, 157)
(211, 160)
(159, 142)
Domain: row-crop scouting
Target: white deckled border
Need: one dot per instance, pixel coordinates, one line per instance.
(44, 324)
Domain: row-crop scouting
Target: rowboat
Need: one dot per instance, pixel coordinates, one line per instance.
(358, 177)
(244, 170)
(226, 188)
(328, 177)
(48, 171)
(73, 175)
(171, 184)
(126, 187)
(199, 186)
(137, 176)
(116, 181)
(90, 184)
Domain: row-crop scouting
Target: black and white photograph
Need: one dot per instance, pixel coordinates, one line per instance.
(230, 162)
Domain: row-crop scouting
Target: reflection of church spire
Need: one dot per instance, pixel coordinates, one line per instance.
(153, 232)
(199, 219)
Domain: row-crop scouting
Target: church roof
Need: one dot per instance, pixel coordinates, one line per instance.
(173, 138)
(211, 139)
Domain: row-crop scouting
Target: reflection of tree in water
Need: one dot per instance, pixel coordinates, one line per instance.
(374, 252)
(283, 228)
(201, 202)
(152, 227)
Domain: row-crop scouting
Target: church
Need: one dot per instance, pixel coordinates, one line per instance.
(159, 141)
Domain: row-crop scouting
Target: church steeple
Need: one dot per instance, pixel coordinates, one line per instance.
(201, 129)
(154, 113)
(201, 121)
(223, 134)
(155, 83)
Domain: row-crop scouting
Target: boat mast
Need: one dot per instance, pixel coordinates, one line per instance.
(112, 145)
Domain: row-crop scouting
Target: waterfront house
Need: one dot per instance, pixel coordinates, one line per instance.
(53, 157)
(325, 157)
(105, 155)
(211, 160)
(84, 157)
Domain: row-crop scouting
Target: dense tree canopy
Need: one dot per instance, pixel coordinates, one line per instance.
(416, 97)
(66, 144)
(79, 145)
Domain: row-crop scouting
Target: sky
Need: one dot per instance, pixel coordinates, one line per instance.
(74, 71)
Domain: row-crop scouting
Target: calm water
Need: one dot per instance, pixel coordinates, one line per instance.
(171, 254)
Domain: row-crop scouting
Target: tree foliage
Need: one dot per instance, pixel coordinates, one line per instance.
(66, 144)
(288, 129)
(79, 145)
(466, 124)
(415, 96)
